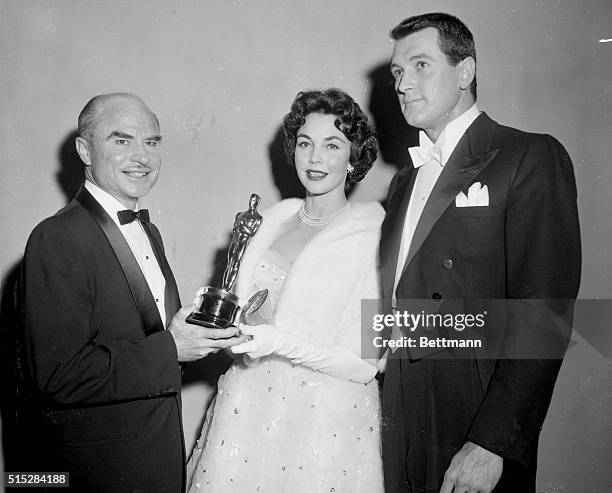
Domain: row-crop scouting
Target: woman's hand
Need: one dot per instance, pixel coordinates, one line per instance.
(264, 340)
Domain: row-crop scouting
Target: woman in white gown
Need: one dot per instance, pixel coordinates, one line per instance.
(299, 412)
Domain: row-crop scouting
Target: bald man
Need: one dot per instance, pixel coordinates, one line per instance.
(104, 332)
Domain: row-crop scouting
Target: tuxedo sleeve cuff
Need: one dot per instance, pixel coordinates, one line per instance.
(510, 447)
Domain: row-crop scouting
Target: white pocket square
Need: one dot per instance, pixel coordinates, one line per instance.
(477, 196)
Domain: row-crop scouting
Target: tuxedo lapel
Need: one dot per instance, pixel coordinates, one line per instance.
(171, 296)
(471, 156)
(143, 299)
(391, 231)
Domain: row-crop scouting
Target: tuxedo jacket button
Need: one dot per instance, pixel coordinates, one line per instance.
(436, 296)
(448, 263)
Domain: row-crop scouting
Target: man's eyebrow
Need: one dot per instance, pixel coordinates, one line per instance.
(120, 135)
(411, 59)
(420, 55)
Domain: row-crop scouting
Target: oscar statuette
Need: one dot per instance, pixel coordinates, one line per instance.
(219, 306)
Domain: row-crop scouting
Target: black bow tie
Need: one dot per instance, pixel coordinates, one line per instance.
(127, 216)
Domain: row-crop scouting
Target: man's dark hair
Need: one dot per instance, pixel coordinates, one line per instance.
(454, 38)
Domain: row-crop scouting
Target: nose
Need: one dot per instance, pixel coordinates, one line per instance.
(404, 83)
(141, 155)
(315, 155)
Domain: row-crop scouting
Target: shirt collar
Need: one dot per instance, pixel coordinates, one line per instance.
(452, 133)
(110, 204)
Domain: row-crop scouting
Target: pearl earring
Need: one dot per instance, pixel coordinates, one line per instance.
(349, 169)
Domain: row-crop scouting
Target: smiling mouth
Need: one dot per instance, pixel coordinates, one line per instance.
(136, 174)
(315, 175)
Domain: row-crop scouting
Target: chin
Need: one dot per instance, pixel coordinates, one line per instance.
(138, 193)
(413, 120)
(315, 191)
(314, 188)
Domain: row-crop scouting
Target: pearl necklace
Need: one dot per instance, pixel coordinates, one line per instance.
(323, 220)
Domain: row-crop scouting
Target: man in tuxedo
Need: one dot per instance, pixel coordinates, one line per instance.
(104, 332)
(483, 212)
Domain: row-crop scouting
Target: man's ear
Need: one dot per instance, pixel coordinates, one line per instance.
(82, 148)
(467, 72)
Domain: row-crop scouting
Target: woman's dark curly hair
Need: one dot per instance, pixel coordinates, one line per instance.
(351, 121)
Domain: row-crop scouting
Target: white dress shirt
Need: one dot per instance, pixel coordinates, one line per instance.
(427, 176)
(139, 243)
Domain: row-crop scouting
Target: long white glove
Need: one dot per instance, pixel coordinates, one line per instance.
(333, 360)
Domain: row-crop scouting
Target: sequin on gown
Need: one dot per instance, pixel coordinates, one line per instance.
(278, 427)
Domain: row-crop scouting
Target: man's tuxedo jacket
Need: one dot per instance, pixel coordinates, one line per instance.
(524, 245)
(106, 369)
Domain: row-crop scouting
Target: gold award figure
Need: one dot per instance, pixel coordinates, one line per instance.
(219, 306)
(246, 224)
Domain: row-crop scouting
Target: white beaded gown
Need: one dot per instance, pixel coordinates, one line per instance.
(278, 427)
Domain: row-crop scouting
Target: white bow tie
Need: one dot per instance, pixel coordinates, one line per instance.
(421, 154)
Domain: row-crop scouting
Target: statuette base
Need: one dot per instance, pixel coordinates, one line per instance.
(217, 309)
